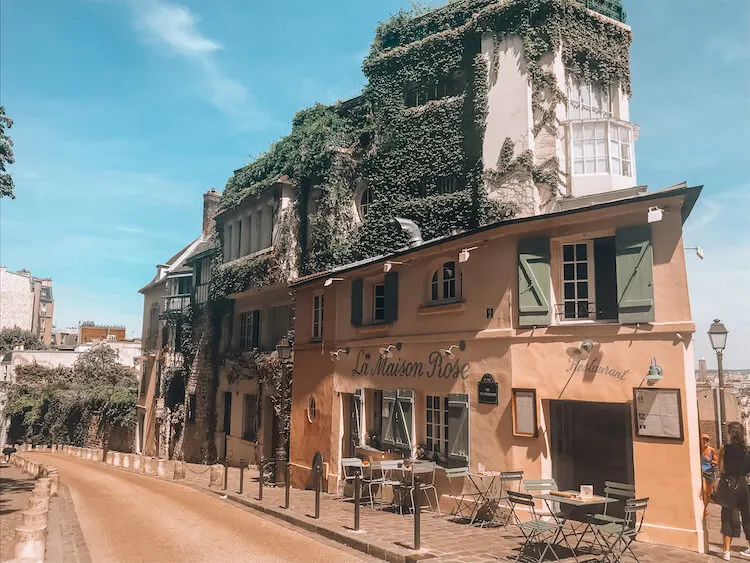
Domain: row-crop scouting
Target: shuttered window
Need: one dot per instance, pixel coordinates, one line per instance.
(534, 282)
(356, 422)
(391, 297)
(356, 316)
(458, 427)
(635, 277)
(398, 418)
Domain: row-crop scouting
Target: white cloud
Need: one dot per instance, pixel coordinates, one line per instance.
(163, 24)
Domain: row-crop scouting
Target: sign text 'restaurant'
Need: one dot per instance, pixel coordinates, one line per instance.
(437, 366)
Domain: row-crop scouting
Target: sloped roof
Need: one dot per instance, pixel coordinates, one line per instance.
(177, 262)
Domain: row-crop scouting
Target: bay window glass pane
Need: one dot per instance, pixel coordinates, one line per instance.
(578, 167)
(585, 95)
(601, 165)
(578, 148)
(588, 131)
(588, 148)
(600, 130)
(625, 152)
(600, 147)
(626, 170)
(590, 166)
(616, 166)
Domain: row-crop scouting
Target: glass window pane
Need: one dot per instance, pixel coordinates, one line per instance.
(569, 272)
(582, 271)
(614, 149)
(570, 291)
(578, 148)
(615, 166)
(624, 134)
(578, 167)
(626, 170)
(600, 147)
(570, 310)
(590, 166)
(588, 148)
(429, 419)
(583, 290)
(613, 133)
(625, 151)
(568, 252)
(583, 309)
(588, 131)
(600, 130)
(585, 95)
(601, 164)
(581, 251)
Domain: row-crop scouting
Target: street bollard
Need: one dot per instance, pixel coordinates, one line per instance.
(318, 479)
(226, 473)
(260, 480)
(288, 485)
(356, 502)
(242, 473)
(417, 514)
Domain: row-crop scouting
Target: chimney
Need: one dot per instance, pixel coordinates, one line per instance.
(702, 371)
(210, 207)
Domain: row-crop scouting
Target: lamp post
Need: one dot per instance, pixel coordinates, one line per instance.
(717, 334)
(285, 352)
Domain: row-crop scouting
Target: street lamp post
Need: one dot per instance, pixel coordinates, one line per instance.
(717, 334)
(285, 352)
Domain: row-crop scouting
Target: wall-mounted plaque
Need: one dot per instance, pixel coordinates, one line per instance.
(658, 413)
(524, 413)
(488, 390)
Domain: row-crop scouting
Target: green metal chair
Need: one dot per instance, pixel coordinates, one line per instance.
(537, 532)
(457, 478)
(618, 537)
(612, 490)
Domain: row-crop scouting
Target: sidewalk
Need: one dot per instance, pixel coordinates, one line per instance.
(390, 536)
(15, 492)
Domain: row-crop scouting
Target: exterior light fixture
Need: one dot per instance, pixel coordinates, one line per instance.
(654, 372)
(329, 281)
(448, 353)
(386, 352)
(698, 251)
(655, 214)
(388, 266)
(717, 334)
(580, 352)
(464, 255)
(337, 354)
(284, 349)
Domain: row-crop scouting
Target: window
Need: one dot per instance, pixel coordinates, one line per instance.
(436, 434)
(44, 308)
(590, 148)
(588, 101)
(443, 283)
(312, 409)
(250, 418)
(191, 408)
(417, 94)
(447, 184)
(249, 330)
(271, 221)
(378, 302)
(279, 323)
(589, 279)
(153, 325)
(524, 413)
(397, 419)
(317, 329)
(227, 412)
(228, 243)
(365, 201)
(620, 150)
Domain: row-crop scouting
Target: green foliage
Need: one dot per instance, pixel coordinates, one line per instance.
(56, 404)
(243, 273)
(6, 156)
(9, 337)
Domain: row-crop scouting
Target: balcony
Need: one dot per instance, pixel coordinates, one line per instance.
(176, 302)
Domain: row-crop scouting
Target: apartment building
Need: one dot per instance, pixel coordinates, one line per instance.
(26, 303)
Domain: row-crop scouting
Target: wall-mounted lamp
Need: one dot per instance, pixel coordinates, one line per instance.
(448, 353)
(654, 372)
(329, 281)
(386, 353)
(464, 255)
(388, 266)
(337, 355)
(655, 214)
(580, 352)
(698, 251)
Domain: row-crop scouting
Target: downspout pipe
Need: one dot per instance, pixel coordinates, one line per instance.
(411, 229)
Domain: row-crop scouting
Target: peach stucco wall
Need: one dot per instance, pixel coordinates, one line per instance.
(667, 471)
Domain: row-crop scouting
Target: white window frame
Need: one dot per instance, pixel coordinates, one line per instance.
(318, 306)
(249, 331)
(591, 279)
(438, 279)
(583, 106)
(608, 142)
(438, 423)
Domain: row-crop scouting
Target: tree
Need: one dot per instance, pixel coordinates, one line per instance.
(6, 155)
(9, 337)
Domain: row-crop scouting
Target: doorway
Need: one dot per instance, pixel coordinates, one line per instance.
(591, 443)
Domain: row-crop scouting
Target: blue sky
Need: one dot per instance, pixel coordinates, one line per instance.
(127, 111)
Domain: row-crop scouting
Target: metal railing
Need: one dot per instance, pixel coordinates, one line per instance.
(610, 8)
(177, 302)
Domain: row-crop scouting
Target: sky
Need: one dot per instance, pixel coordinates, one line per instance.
(127, 111)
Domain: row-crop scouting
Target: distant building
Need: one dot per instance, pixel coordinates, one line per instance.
(89, 331)
(26, 302)
(736, 399)
(64, 338)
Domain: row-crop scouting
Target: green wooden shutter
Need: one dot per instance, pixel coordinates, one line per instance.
(534, 282)
(458, 427)
(635, 274)
(356, 426)
(357, 302)
(391, 297)
(404, 418)
(388, 417)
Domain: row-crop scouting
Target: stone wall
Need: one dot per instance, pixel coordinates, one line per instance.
(16, 300)
(121, 439)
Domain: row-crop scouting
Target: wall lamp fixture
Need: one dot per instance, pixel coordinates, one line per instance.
(388, 266)
(386, 353)
(654, 372)
(464, 255)
(329, 281)
(655, 214)
(337, 355)
(698, 251)
(580, 352)
(448, 353)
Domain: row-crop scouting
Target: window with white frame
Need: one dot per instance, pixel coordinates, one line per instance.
(317, 328)
(378, 302)
(365, 201)
(602, 147)
(436, 421)
(588, 101)
(588, 280)
(249, 330)
(443, 285)
(620, 150)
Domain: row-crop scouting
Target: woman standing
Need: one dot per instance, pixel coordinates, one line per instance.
(733, 489)
(709, 461)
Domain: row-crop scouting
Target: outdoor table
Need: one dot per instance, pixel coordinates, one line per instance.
(574, 500)
(484, 483)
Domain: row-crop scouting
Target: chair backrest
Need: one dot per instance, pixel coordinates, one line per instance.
(352, 466)
(632, 507)
(620, 491)
(536, 485)
(521, 498)
(426, 471)
(456, 472)
(388, 466)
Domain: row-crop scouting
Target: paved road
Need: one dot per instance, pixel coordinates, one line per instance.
(129, 517)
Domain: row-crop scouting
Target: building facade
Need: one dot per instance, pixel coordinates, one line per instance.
(26, 303)
(89, 331)
(558, 345)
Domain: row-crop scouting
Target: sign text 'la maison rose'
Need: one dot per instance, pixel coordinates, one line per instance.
(438, 365)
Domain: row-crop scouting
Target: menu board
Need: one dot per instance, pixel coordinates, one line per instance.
(658, 413)
(524, 412)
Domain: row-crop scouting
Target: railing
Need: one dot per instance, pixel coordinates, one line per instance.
(177, 302)
(610, 8)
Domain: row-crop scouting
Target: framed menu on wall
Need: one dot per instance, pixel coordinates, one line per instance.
(658, 413)
(524, 413)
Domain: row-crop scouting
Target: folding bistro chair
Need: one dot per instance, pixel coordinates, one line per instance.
(533, 486)
(457, 478)
(507, 479)
(425, 472)
(612, 490)
(381, 476)
(536, 531)
(617, 537)
(350, 466)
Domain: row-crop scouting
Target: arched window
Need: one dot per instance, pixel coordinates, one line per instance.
(443, 285)
(365, 201)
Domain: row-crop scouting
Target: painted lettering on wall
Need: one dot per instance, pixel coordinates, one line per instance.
(578, 366)
(437, 365)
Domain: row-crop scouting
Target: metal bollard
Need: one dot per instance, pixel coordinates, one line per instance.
(357, 494)
(242, 473)
(287, 484)
(260, 480)
(417, 514)
(318, 479)
(226, 473)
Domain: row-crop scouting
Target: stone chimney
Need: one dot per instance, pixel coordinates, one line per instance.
(210, 207)
(702, 371)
